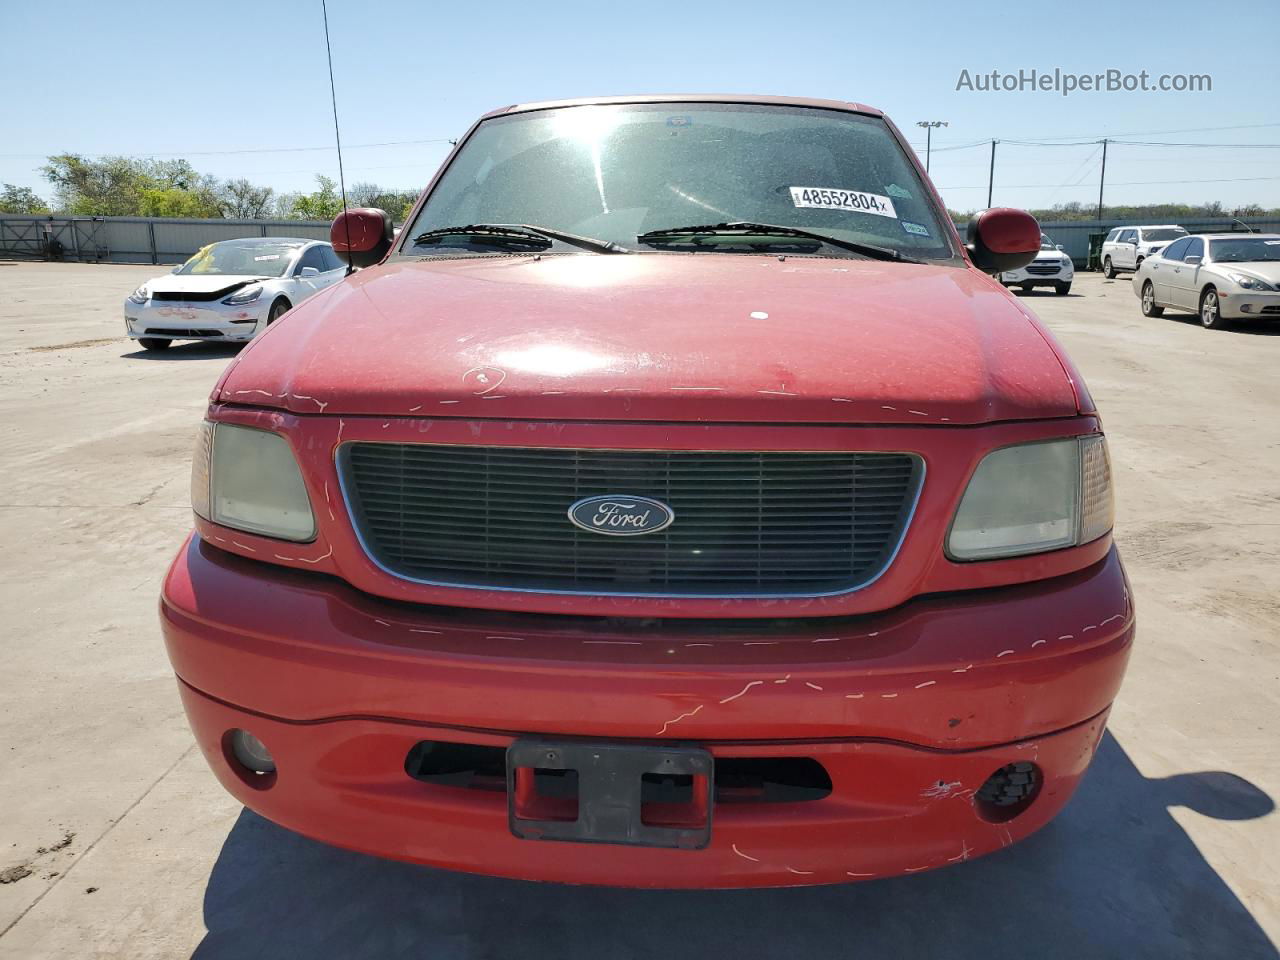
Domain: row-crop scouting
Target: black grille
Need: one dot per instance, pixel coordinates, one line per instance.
(746, 523)
(183, 332)
(192, 296)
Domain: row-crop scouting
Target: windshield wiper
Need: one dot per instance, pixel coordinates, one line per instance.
(517, 235)
(746, 228)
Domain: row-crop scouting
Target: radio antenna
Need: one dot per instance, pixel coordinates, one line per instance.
(333, 96)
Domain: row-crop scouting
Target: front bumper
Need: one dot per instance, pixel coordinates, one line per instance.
(908, 712)
(174, 320)
(1023, 277)
(1250, 306)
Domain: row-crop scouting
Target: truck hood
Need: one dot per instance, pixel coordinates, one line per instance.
(660, 337)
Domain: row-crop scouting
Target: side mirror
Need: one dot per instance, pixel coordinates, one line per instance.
(1192, 260)
(308, 272)
(1057, 246)
(361, 236)
(176, 269)
(1002, 239)
(1134, 242)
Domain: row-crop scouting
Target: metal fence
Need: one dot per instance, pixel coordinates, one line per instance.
(136, 239)
(163, 240)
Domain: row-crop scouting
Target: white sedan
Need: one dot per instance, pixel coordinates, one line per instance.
(1220, 277)
(232, 290)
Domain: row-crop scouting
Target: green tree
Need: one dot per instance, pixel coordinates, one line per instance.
(175, 202)
(398, 203)
(21, 200)
(130, 186)
(323, 204)
(242, 200)
(110, 186)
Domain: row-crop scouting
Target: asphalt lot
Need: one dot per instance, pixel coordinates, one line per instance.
(1170, 849)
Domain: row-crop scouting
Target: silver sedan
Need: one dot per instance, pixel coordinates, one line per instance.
(1220, 277)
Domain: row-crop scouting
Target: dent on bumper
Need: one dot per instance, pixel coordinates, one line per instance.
(908, 711)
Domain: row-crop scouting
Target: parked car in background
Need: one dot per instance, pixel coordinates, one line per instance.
(1050, 268)
(1126, 247)
(231, 290)
(1218, 276)
(594, 510)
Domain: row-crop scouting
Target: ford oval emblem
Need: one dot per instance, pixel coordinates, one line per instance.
(620, 516)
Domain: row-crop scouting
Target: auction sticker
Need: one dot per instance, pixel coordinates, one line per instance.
(855, 201)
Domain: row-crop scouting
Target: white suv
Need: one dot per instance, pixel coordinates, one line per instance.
(1050, 268)
(1126, 247)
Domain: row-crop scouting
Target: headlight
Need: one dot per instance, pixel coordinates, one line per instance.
(140, 295)
(1034, 497)
(248, 479)
(1248, 282)
(244, 295)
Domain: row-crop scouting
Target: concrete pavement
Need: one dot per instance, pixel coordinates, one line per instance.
(1169, 850)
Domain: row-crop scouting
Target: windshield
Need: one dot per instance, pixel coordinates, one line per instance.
(1245, 249)
(614, 172)
(1164, 233)
(241, 257)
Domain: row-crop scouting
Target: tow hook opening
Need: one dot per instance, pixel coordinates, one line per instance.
(1008, 792)
(770, 780)
(466, 765)
(738, 780)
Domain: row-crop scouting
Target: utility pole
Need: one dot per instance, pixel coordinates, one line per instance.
(928, 137)
(991, 175)
(1102, 179)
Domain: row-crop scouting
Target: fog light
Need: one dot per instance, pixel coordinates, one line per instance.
(1008, 792)
(252, 752)
(1246, 308)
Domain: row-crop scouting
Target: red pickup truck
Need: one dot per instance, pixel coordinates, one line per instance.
(677, 501)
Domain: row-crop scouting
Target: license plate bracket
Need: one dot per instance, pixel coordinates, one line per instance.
(633, 794)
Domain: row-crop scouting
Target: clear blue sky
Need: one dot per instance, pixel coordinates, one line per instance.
(175, 79)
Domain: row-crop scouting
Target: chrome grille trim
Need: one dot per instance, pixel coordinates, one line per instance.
(892, 545)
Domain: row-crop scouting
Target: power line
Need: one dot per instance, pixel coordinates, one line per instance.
(1080, 171)
(1097, 138)
(1128, 183)
(1232, 146)
(1079, 140)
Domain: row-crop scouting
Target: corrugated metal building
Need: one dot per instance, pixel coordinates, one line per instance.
(137, 239)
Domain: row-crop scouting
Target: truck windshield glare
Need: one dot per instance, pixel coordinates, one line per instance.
(614, 172)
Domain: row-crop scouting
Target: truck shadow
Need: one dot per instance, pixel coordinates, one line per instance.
(191, 350)
(1113, 876)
